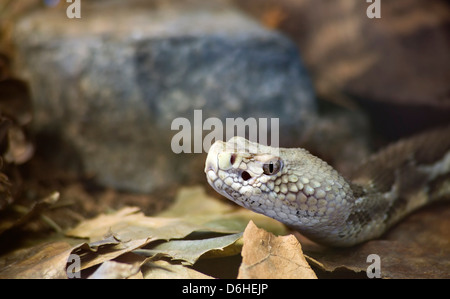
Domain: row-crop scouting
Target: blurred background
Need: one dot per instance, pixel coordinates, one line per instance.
(86, 104)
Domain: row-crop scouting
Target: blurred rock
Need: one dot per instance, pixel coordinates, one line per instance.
(396, 67)
(110, 84)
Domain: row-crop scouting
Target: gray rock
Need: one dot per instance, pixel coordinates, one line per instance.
(111, 83)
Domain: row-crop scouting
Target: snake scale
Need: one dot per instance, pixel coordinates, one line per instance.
(304, 192)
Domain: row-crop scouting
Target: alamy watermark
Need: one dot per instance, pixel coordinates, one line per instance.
(374, 9)
(374, 269)
(73, 266)
(73, 11)
(189, 138)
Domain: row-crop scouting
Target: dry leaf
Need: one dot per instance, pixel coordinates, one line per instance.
(165, 270)
(93, 254)
(189, 251)
(130, 224)
(115, 270)
(266, 256)
(126, 230)
(42, 261)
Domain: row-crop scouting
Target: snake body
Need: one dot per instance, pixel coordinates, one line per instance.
(304, 192)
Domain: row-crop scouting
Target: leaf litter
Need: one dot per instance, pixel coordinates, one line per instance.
(199, 229)
(163, 243)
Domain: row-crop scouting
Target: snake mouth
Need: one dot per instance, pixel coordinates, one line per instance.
(211, 163)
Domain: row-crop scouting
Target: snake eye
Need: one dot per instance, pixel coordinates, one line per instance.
(272, 167)
(232, 159)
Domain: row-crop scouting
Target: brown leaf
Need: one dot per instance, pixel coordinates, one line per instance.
(189, 251)
(266, 256)
(115, 270)
(100, 252)
(164, 270)
(131, 224)
(121, 232)
(42, 261)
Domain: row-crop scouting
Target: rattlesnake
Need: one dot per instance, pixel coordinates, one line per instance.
(304, 192)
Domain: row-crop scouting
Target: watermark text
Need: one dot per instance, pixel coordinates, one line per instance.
(189, 138)
(73, 11)
(374, 269)
(73, 266)
(374, 9)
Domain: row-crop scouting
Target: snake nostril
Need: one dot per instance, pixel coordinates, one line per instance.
(246, 176)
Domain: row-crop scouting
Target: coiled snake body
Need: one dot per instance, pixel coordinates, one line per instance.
(307, 194)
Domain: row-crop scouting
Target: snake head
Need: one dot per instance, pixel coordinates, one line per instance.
(240, 170)
(289, 185)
